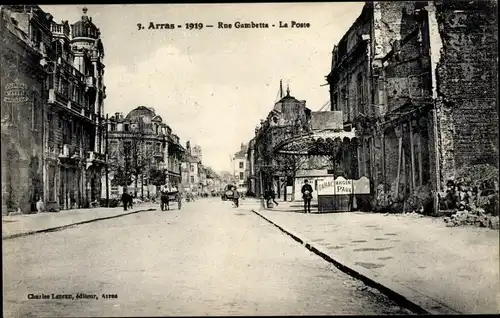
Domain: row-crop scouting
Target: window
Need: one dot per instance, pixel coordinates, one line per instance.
(125, 127)
(241, 165)
(127, 147)
(192, 167)
(242, 176)
(192, 179)
(34, 112)
(344, 104)
(360, 93)
(113, 127)
(50, 121)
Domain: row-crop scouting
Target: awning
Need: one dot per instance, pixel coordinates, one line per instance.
(316, 143)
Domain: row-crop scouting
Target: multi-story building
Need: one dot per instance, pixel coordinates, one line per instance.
(288, 117)
(74, 141)
(26, 42)
(417, 79)
(240, 165)
(190, 171)
(139, 144)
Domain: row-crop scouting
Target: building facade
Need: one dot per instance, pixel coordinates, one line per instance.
(26, 42)
(417, 80)
(190, 166)
(139, 145)
(240, 166)
(74, 140)
(288, 117)
(61, 124)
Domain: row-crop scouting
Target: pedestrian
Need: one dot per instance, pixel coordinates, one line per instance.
(179, 199)
(125, 200)
(164, 200)
(272, 194)
(130, 201)
(236, 197)
(307, 191)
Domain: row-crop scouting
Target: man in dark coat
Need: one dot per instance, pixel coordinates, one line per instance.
(236, 197)
(307, 191)
(164, 200)
(125, 200)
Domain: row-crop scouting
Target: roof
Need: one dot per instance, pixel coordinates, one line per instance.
(311, 173)
(141, 112)
(85, 27)
(241, 153)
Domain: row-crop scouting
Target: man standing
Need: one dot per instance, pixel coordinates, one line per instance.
(236, 197)
(125, 199)
(307, 191)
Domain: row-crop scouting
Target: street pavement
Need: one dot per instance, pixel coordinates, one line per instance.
(206, 259)
(441, 269)
(23, 224)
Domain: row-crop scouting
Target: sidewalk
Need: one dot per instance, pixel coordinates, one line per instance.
(25, 224)
(440, 269)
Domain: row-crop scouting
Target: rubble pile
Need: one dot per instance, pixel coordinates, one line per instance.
(478, 218)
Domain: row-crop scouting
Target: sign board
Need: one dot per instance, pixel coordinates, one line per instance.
(16, 92)
(361, 186)
(326, 186)
(343, 186)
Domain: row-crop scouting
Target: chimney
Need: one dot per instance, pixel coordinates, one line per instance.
(188, 147)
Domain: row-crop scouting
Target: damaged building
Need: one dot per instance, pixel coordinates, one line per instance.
(417, 81)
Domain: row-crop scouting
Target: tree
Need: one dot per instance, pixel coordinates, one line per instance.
(290, 164)
(156, 178)
(121, 178)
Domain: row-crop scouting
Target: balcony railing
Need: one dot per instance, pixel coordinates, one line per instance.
(95, 156)
(158, 154)
(90, 81)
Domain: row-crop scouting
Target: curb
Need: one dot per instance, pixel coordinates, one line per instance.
(417, 303)
(62, 227)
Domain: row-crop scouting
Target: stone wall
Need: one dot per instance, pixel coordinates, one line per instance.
(467, 84)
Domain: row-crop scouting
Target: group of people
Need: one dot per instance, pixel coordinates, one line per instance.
(165, 199)
(127, 200)
(306, 190)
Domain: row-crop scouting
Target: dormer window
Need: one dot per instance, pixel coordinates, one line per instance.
(275, 119)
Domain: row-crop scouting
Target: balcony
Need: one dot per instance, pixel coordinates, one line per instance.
(158, 154)
(95, 157)
(90, 81)
(64, 151)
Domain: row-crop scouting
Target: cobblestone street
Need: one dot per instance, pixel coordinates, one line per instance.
(206, 259)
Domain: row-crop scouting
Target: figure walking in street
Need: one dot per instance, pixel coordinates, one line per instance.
(125, 199)
(164, 200)
(130, 201)
(307, 191)
(178, 196)
(236, 197)
(271, 195)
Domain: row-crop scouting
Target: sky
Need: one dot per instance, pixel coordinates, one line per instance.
(213, 86)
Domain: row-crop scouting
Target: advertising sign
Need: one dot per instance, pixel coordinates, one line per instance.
(16, 92)
(343, 186)
(326, 186)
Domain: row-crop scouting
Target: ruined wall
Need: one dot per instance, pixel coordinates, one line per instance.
(467, 84)
(350, 60)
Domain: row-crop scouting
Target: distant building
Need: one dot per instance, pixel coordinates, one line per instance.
(240, 166)
(191, 165)
(140, 143)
